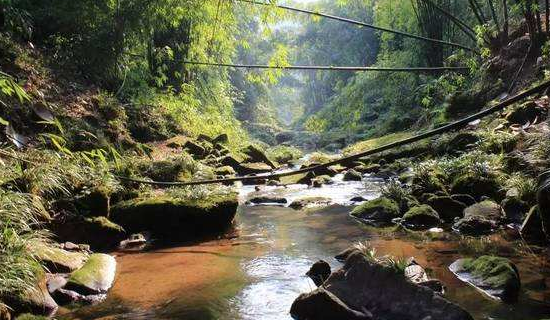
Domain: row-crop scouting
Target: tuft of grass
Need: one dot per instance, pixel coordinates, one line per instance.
(525, 185)
(396, 264)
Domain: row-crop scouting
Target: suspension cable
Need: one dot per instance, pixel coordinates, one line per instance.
(431, 133)
(367, 25)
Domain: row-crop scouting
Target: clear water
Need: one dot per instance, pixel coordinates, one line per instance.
(258, 270)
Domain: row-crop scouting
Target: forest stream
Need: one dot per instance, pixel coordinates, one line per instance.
(258, 269)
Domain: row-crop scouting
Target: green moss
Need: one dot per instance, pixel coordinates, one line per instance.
(106, 224)
(421, 216)
(95, 276)
(477, 186)
(376, 142)
(283, 154)
(28, 316)
(381, 210)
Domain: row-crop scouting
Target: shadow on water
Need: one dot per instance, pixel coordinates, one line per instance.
(256, 272)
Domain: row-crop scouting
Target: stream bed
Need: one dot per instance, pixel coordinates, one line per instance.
(257, 270)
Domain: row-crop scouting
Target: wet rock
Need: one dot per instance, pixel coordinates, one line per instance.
(531, 229)
(258, 156)
(98, 232)
(514, 209)
(467, 199)
(65, 297)
(309, 202)
(477, 186)
(496, 276)
(136, 241)
(363, 284)
(319, 181)
(480, 218)
(319, 272)
(267, 200)
(381, 210)
(447, 208)
(59, 260)
(176, 218)
(421, 217)
(358, 199)
(95, 277)
(434, 285)
(352, 175)
(321, 304)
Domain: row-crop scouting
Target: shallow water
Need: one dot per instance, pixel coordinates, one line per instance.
(258, 269)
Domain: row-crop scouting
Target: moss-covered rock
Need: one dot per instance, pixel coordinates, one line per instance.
(225, 171)
(195, 149)
(467, 199)
(176, 218)
(462, 142)
(352, 175)
(381, 210)
(258, 156)
(421, 217)
(253, 168)
(58, 260)
(372, 168)
(28, 316)
(447, 208)
(477, 186)
(99, 232)
(496, 276)
(319, 181)
(95, 201)
(221, 139)
(96, 276)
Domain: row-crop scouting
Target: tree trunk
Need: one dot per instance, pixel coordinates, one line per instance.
(494, 14)
(506, 26)
(474, 7)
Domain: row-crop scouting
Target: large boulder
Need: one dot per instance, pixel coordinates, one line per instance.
(195, 149)
(363, 284)
(377, 211)
(477, 186)
(99, 232)
(59, 260)
(319, 272)
(257, 155)
(480, 218)
(421, 217)
(95, 277)
(321, 304)
(496, 276)
(177, 218)
(447, 208)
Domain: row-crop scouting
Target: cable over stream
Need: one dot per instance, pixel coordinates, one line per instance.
(431, 133)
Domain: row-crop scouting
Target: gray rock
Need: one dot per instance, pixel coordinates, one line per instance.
(95, 277)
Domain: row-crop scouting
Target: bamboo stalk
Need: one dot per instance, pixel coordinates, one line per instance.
(458, 22)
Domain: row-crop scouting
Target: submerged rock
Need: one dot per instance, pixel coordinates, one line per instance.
(176, 218)
(319, 272)
(381, 210)
(267, 200)
(496, 276)
(364, 285)
(309, 202)
(421, 217)
(95, 277)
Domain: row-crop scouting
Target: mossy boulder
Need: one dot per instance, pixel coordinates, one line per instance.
(221, 139)
(462, 142)
(319, 181)
(253, 168)
(99, 232)
(95, 277)
(446, 207)
(421, 217)
(372, 168)
(225, 171)
(467, 199)
(352, 175)
(195, 149)
(379, 211)
(477, 186)
(496, 276)
(177, 218)
(95, 201)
